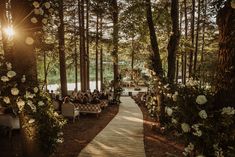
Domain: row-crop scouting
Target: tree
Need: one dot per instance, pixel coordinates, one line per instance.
(226, 71)
(192, 39)
(174, 40)
(197, 36)
(63, 77)
(156, 63)
(115, 13)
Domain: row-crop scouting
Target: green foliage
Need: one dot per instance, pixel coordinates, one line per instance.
(22, 97)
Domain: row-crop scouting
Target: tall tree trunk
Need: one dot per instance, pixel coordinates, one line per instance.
(82, 46)
(101, 55)
(203, 39)
(97, 51)
(75, 54)
(132, 56)
(24, 62)
(192, 39)
(174, 40)
(156, 63)
(181, 45)
(197, 36)
(63, 77)
(115, 13)
(186, 38)
(87, 45)
(226, 68)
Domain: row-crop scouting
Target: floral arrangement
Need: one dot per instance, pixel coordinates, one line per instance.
(189, 111)
(26, 99)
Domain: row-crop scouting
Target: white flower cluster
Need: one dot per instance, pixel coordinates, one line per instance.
(191, 82)
(228, 110)
(218, 151)
(203, 114)
(201, 99)
(185, 127)
(169, 111)
(174, 96)
(188, 149)
(197, 131)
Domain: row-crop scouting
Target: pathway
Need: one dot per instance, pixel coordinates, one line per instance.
(122, 137)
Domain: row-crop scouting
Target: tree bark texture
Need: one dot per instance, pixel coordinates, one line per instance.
(82, 47)
(101, 55)
(97, 52)
(186, 38)
(115, 13)
(226, 68)
(156, 63)
(192, 39)
(197, 36)
(62, 59)
(87, 46)
(174, 40)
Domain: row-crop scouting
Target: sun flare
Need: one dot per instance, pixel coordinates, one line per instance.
(9, 31)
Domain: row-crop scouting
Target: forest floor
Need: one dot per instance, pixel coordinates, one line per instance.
(77, 135)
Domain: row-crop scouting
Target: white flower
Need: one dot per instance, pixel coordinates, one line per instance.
(44, 21)
(60, 140)
(41, 11)
(6, 100)
(34, 20)
(47, 5)
(31, 121)
(197, 133)
(201, 99)
(51, 10)
(20, 103)
(15, 91)
(174, 96)
(32, 106)
(36, 11)
(9, 66)
(35, 89)
(29, 95)
(174, 121)
(5, 79)
(11, 74)
(203, 114)
(188, 149)
(40, 103)
(169, 111)
(185, 127)
(56, 114)
(36, 4)
(23, 79)
(169, 95)
(29, 40)
(228, 110)
(200, 156)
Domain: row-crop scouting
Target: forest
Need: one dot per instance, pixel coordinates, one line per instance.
(181, 51)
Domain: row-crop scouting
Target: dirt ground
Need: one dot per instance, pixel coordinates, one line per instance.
(77, 135)
(158, 144)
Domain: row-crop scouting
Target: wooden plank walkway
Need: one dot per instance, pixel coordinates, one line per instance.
(122, 137)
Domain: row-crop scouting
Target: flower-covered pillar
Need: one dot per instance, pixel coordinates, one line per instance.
(24, 63)
(226, 68)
